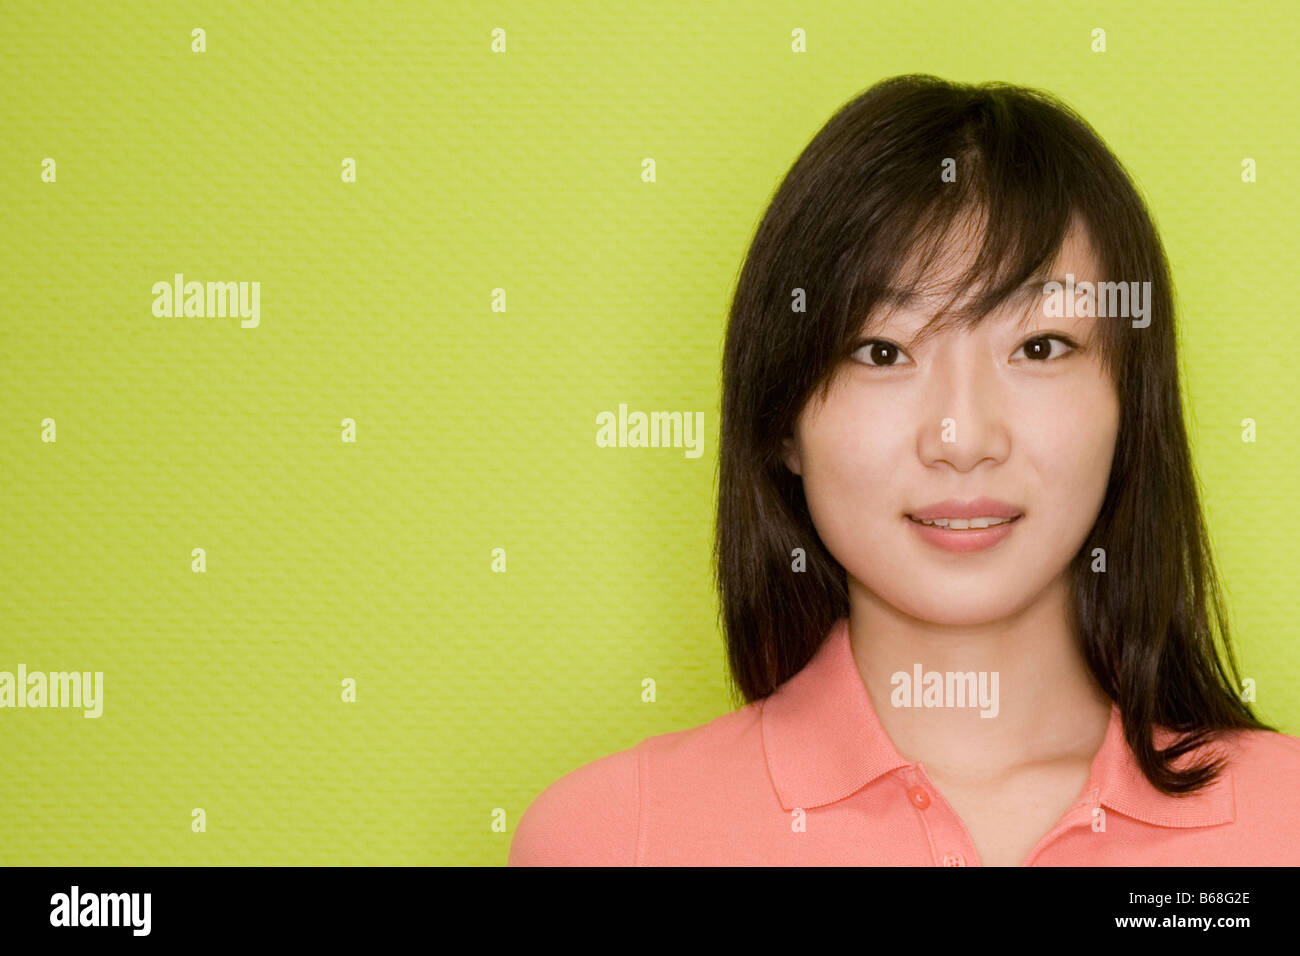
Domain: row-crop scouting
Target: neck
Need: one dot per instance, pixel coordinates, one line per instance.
(1049, 706)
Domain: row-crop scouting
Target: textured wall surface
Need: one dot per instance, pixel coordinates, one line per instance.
(325, 559)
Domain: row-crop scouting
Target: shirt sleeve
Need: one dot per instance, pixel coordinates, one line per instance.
(586, 818)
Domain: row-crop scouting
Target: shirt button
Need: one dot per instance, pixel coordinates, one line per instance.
(920, 799)
(954, 859)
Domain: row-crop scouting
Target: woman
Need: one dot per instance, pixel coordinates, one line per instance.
(965, 581)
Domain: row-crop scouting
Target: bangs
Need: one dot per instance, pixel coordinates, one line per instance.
(1017, 182)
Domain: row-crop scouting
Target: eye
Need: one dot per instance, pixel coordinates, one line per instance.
(1039, 348)
(880, 353)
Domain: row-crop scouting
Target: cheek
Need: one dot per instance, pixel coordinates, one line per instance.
(854, 452)
(1068, 437)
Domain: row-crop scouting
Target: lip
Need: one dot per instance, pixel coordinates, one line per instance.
(978, 508)
(964, 541)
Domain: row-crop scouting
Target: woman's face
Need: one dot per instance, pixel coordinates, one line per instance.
(996, 411)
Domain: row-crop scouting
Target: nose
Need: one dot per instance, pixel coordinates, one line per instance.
(964, 409)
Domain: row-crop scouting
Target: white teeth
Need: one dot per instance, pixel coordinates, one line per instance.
(961, 524)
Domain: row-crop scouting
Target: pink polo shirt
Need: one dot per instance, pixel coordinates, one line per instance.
(725, 793)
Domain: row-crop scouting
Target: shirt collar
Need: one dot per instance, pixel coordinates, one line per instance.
(823, 742)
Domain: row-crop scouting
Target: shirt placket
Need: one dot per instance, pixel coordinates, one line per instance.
(1082, 814)
(950, 843)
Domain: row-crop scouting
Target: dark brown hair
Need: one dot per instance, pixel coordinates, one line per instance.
(865, 194)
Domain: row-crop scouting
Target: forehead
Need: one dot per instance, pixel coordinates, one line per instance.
(933, 272)
(1078, 254)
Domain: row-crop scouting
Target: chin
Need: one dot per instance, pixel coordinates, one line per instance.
(942, 597)
(939, 610)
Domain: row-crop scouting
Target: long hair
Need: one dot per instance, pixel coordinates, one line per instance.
(864, 195)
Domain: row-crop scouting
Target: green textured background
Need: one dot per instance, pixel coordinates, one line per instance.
(475, 428)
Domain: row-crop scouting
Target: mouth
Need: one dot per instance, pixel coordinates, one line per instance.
(977, 513)
(965, 524)
(965, 527)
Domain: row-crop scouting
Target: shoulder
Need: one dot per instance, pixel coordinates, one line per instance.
(594, 815)
(1266, 778)
(588, 817)
(1265, 755)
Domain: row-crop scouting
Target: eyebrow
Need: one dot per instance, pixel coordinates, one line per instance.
(891, 295)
